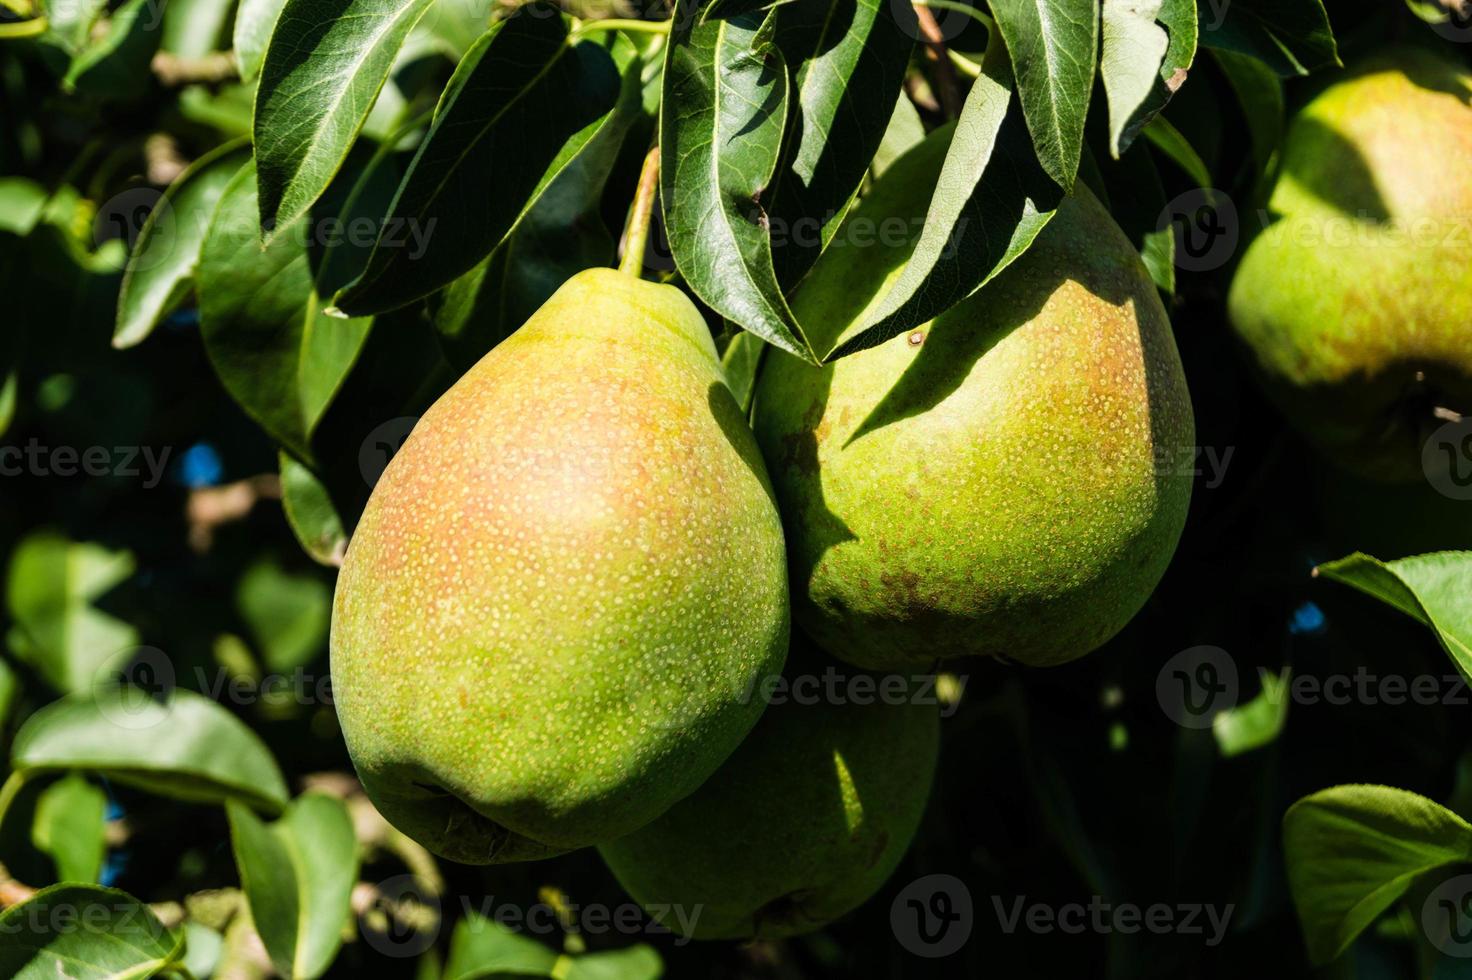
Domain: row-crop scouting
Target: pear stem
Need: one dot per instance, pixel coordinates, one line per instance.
(636, 232)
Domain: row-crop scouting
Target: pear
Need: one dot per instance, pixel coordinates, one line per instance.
(1356, 303)
(804, 822)
(1009, 480)
(562, 585)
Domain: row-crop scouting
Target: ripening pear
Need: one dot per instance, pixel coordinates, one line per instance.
(804, 822)
(1008, 480)
(563, 585)
(1356, 302)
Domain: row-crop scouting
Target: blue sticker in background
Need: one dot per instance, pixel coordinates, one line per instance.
(200, 466)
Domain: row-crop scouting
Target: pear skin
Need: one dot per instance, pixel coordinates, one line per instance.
(803, 823)
(562, 585)
(1009, 480)
(1356, 302)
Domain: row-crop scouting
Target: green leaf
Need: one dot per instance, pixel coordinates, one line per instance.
(849, 61)
(116, 67)
(287, 614)
(160, 271)
(991, 200)
(298, 875)
(322, 71)
(484, 948)
(1352, 851)
(1260, 92)
(310, 512)
(253, 22)
(1293, 37)
(721, 121)
(726, 9)
(1431, 589)
(85, 933)
(69, 826)
(904, 132)
(519, 109)
(740, 361)
(639, 962)
(1136, 198)
(260, 313)
(1257, 723)
(202, 949)
(560, 235)
(1170, 141)
(52, 587)
(197, 28)
(1148, 46)
(1053, 45)
(186, 747)
(70, 24)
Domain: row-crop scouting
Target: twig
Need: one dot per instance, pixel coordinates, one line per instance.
(636, 233)
(946, 86)
(211, 69)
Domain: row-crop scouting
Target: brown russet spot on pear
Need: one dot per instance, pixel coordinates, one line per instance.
(563, 585)
(1355, 304)
(1012, 486)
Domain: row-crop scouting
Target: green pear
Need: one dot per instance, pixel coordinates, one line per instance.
(1009, 480)
(804, 822)
(562, 585)
(1356, 303)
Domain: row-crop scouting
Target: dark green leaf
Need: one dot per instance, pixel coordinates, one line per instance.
(1173, 143)
(186, 747)
(726, 9)
(298, 875)
(721, 121)
(1352, 851)
(323, 68)
(1260, 91)
(287, 614)
(1431, 589)
(116, 66)
(521, 105)
(69, 827)
(1293, 37)
(849, 61)
(991, 200)
(85, 933)
(161, 269)
(1053, 45)
(57, 629)
(261, 319)
(561, 235)
(311, 513)
(1136, 197)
